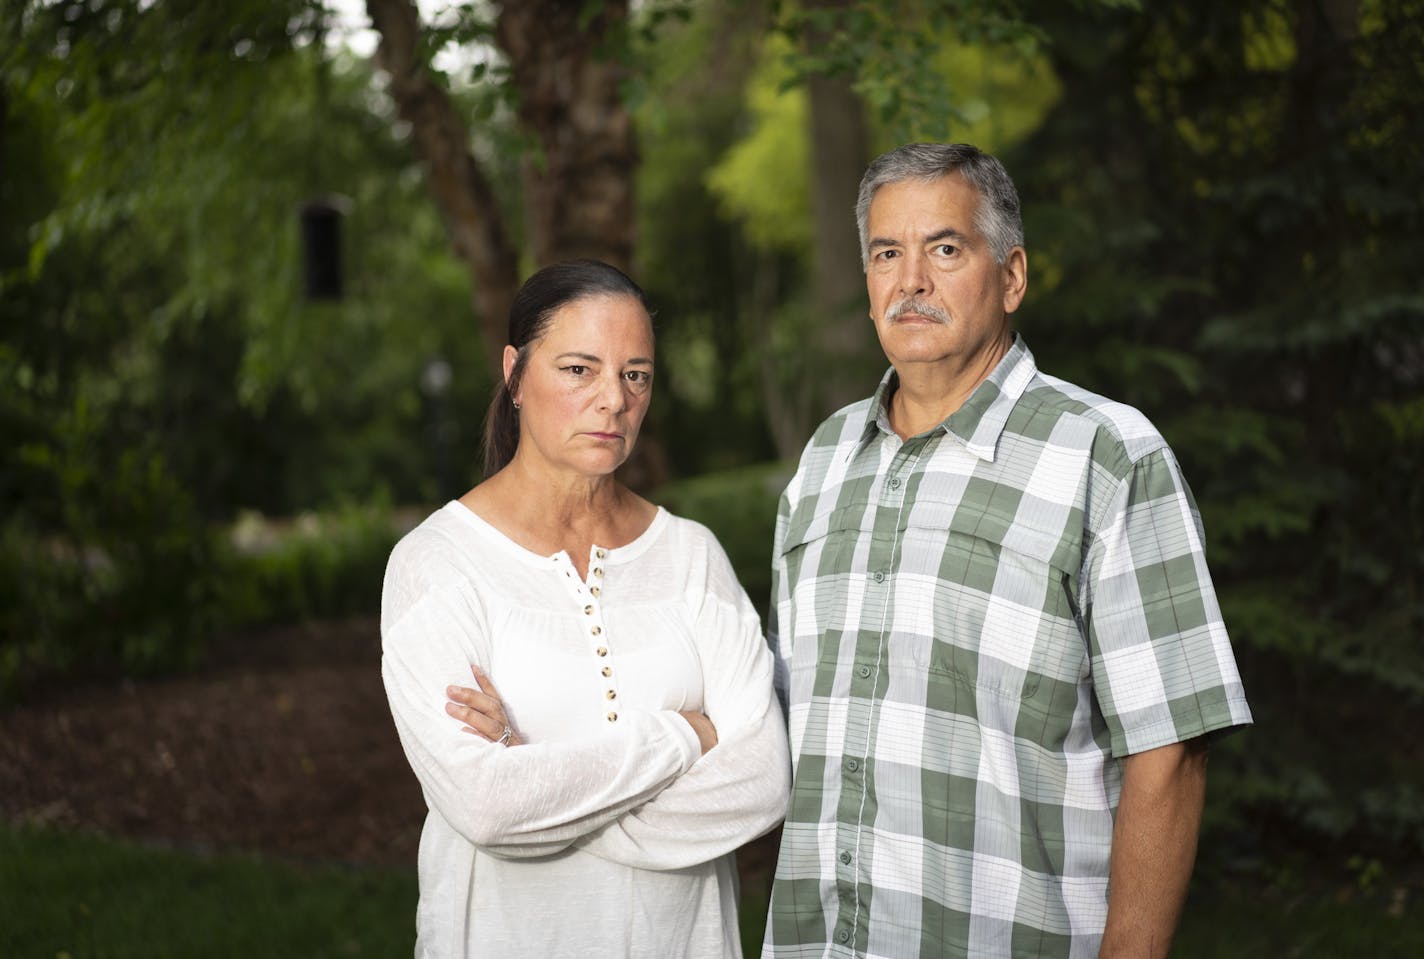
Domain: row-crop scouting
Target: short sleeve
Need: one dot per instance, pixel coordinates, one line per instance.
(1162, 664)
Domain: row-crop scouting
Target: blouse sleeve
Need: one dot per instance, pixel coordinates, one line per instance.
(740, 788)
(532, 800)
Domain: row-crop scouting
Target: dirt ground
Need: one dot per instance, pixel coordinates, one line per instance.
(283, 745)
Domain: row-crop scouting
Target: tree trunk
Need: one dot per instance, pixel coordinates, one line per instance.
(843, 335)
(462, 192)
(841, 360)
(579, 186)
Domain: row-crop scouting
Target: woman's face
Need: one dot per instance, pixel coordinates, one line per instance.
(586, 385)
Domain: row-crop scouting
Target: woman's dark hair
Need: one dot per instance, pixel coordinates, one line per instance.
(541, 296)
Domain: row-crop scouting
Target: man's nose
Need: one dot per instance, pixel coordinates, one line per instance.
(914, 278)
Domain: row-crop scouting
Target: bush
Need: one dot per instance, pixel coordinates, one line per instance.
(130, 600)
(324, 566)
(125, 578)
(739, 507)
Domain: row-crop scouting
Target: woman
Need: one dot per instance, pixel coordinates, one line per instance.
(620, 737)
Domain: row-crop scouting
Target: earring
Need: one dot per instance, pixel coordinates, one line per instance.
(517, 405)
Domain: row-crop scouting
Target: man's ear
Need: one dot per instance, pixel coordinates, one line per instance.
(1015, 273)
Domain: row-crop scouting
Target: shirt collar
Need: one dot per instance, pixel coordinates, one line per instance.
(977, 424)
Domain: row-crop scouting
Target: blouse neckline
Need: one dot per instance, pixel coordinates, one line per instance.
(622, 554)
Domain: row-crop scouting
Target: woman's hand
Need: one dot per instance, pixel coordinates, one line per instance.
(482, 711)
(706, 732)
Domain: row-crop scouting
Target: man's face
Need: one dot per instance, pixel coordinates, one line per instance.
(936, 294)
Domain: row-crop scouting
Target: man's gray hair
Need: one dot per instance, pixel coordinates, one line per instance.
(997, 214)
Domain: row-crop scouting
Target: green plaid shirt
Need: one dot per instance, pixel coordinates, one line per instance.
(973, 627)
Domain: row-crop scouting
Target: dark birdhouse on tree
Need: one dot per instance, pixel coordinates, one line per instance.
(321, 249)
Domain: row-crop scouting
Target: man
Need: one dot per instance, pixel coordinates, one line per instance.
(995, 628)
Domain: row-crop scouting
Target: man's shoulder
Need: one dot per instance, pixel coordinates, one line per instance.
(1116, 430)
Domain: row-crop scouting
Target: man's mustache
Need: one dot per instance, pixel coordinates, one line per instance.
(917, 306)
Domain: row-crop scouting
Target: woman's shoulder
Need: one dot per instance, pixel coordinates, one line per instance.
(441, 554)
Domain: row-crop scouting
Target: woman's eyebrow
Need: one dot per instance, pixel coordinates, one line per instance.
(590, 358)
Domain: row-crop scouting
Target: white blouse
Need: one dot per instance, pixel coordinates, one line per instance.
(607, 833)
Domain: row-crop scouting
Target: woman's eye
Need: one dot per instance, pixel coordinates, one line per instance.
(576, 369)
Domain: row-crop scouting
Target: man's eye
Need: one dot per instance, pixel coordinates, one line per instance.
(887, 254)
(946, 249)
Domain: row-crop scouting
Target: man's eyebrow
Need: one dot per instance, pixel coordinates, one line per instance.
(948, 233)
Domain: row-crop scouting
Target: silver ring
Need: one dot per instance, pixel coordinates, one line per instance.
(503, 739)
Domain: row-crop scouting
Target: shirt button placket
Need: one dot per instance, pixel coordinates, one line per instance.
(593, 609)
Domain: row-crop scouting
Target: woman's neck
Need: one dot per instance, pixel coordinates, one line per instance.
(546, 513)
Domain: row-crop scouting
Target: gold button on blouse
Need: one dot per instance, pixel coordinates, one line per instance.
(607, 671)
(594, 590)
(600, 553)
(598, 571)
(613, 717)
(602, 650)
(588, 610)
(596, 630)
(612, 694)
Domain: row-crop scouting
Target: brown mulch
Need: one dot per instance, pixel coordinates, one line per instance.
(283, 745)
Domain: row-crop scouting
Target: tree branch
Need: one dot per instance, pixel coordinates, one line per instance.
(462, 192)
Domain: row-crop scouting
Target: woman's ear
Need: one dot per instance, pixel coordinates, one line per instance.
(511, 356)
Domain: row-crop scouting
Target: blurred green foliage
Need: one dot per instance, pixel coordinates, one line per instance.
(1223, 215)
(1223, 207)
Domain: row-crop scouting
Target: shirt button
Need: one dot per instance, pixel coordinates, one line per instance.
(598, 571)
(588, 610)
(607, 671)
(596, 630)
(863, 670)
(842, 935)
(845, 858)
(852, 765)
(878, 576)
(894, 482)
(602, 650)
(613, 717)
(594, 590)
(600, 553)
(612, 694)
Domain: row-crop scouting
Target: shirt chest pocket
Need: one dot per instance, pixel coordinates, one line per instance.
(826, 559)
(987, 600)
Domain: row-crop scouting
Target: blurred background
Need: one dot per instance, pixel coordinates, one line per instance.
(256, 259)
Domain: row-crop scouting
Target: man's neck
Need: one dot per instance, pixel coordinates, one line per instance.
(928, 393)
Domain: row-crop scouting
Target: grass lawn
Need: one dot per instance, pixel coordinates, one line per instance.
(67, 896)
(78, 897)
